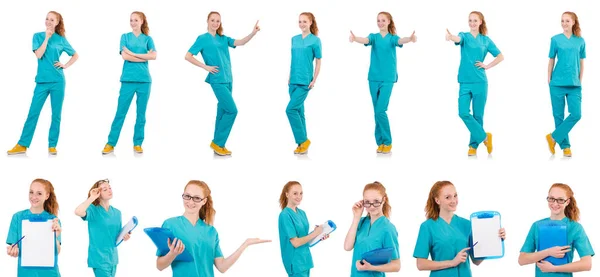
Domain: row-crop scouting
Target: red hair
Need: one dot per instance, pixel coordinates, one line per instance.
(50, 205)
(571, 210)
(576, 29)
(483, 26)
(392, 26)
(207, 212)
(313, 26)
(60, 27)
(220, 30)
(432, 209)
(145, 28)
(377, 186)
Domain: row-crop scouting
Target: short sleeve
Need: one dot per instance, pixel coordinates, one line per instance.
(123, 43)
(492, 48)
(317, 52)
(150, 45)
(371, 38)
(230, 41)
(461, 35)
(89, 214)
(217, 251)
(553, 49)
(13, 230)
(286, 227)
(582, 243)
(582, 50)
(37, 41)
(167, 226)
(67, 48)
(529, 246)
(196, 47)
(423, 243)
(395, 39)
(390, 240)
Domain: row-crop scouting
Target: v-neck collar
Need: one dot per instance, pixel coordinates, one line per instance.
(567, 37)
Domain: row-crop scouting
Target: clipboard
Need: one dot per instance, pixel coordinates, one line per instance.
(38, 247)
(328, 228)
(378, 256)
(159, 236)
(552, 233)
(126, 229)
(484, 231)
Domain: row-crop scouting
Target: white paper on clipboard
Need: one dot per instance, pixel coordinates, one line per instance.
(485, 234)
(37, 247)
(126, 229)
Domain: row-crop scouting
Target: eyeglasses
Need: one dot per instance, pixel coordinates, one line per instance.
(103, 181)
(557, 200)
(196, 199)
(369, 204)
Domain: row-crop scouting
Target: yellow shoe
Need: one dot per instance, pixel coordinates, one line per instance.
(303, 148)
(551, 143)
(227, 152)
(18, 149)
(219, 150)
(380, 149)
(297, 151)
(138, 149)
(107, 149)
(472, 151)
(386, 149)
(488, 143)
(52, 150)
(567, 152)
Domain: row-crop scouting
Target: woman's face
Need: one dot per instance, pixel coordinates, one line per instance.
(51, 21)
(558, 201)
(304, 23)
(193, 199)
(474, 22)
(37, 195)
(105, 191)
(383, 22)
(214, 22)
(135, 21)
(447, 199)
(567, 22)
(373, 202)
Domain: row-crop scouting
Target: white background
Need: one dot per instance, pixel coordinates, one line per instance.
(430, 140)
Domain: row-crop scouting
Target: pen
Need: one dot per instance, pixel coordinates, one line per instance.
(17, 242)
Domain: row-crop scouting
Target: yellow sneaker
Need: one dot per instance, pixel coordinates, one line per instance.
(138, 149)
(297, 151)
(18, 149)
(227, 152)
(52, 150)
(567, 152)
(107, 149)
(551, 143)
(380, 149)
(219, 150)
(472, 151)
(303, 148)
(488, 143)
(386, 149)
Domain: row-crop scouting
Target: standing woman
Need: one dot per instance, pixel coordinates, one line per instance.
(306, 48)
(383, 73)
(213, 46)
(563, 207)
(474, 46)
(445, 236)
(565, 81)
(371, 232)
(194, 231)
(136, 49)
(43, 206)
(104, 226)
(50, 81)
(294, 233)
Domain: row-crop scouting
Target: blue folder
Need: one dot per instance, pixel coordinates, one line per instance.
(378, 256)
(159, 236)
(552, 233)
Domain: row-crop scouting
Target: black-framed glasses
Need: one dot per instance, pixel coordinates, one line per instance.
(369, 204)
(557, 200)
(196, 199)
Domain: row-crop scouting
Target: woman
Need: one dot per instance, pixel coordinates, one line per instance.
(104, 226)
(306, 47)
(194, 231)
(383, 73)
(371, 232)
(445, 236)
(474, 46)
(43, 207)
(565, 81)
(213, 46)
(50, 81)
(137, 48)
(294, 233)
(563, 207)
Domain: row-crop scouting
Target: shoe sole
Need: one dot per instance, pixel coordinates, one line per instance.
(17, 153)
(106, 153)
(53, 154)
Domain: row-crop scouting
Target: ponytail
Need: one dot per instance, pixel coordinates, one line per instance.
(432, 209)
(50, 205)
(483, 26)
(313, 26)
(571, 210)
(392, 25)
(387, 208)
(207, 212)
(283, 200)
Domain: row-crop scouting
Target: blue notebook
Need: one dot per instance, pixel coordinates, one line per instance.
(378, 256)
(159, 236)
(552, 233)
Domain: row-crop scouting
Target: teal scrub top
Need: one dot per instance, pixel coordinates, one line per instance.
(472, 50)
(136, 71)
(381, 234)
(294, 225)
(443, 241)
(215, 52)
(304, 52)
(103, 228)
(57, 44)
(576, 238)
(202, 241)
(570, 51)
(383, 66)
(15, 233)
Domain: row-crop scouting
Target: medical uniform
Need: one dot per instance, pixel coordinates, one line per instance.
(383, 74)
(443, 242)
(15, 233)
(370, 236)
(576, 238)
(103, 228)
(50, 81)
(565, 84)
(135, 80)
(304, 51)
(294, 224)
(215, 52)
(201, 241)
(473, 83)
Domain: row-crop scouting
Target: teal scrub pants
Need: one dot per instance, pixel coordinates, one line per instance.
(564, 125)
(128, 89)
(475, 93)
(300, 274)
(295, 111)
(105, 272)
(226, 113)
(380, 94)
(56, 91)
